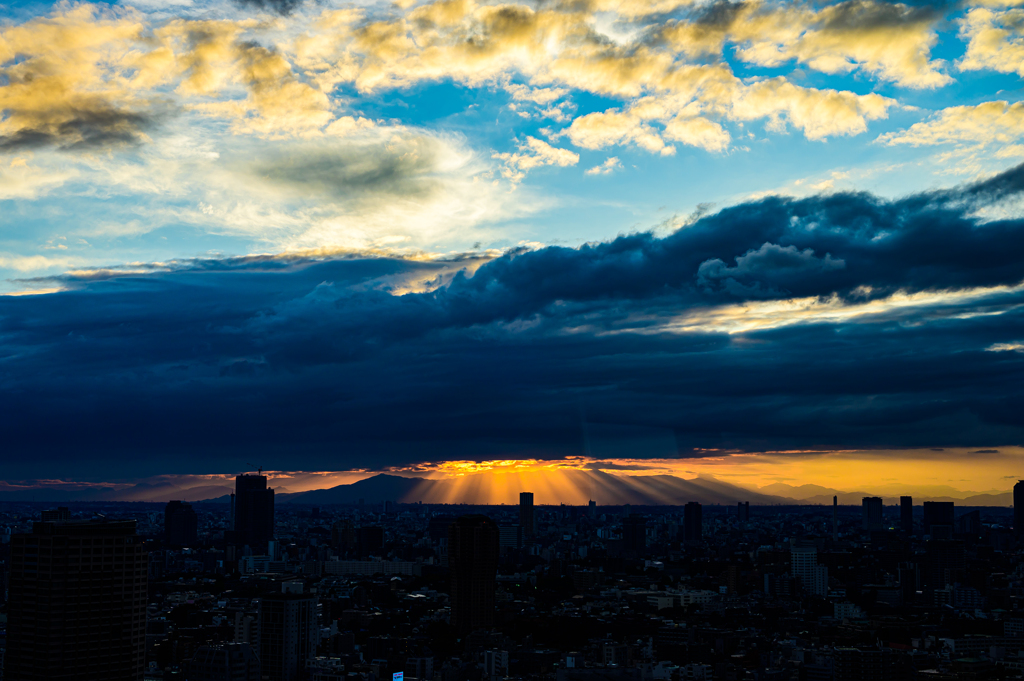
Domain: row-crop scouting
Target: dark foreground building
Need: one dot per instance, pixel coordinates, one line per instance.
(180, 524)
(253, 509)
(77, 607)
(473, 565)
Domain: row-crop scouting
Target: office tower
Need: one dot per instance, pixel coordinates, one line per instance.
(969, 524)
(835, 518)
(871, 508)
(693, 522)
(1018, 508)
(254, 512)
(527, 521)
(288, 632)
(907, 515)
(180, 524)
(634, 534)
(473, 542)
(224, 662)
(804, 566)
(938, 519)
(743, 511)
(510, 537)
(77, 607)
(591, 509)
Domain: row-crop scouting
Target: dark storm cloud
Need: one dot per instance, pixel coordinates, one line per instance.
(202, 365)
(97, 125)
(282, 7)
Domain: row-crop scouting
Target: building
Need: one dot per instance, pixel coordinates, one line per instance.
(77, 607)
(835, 518)
(1018, 508)
(181, 526)
(473, 544)
(743, 511)
(907, 515)
(253, 510)
(945, 563)
(288, 632)
(510, 537)
(527, 520)
(634, 534)
(804, 566)
(224, 662)
(871, 508)
(938, 519)
(969, 524)
(693, 522)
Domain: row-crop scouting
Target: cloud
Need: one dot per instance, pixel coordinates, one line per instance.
(994, 40)
(534, 153)
(867, 324)
(982, 124)
(610, 165)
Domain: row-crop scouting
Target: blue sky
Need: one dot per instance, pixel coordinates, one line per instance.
(426, 231)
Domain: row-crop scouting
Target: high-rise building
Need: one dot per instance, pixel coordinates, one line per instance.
(938, 519)
(253, 504)
(77, 607)
(634, 534)
(591, 509)
(743, 511)
(1018, 508)
(527, 521)
(288, 632)
(473, 565)
(804, 566)
(835, 518)
(181, 526)
(224, 662)
(907, 515)
(945, 563)
(693, 522)
(871, 508)
(510, 537)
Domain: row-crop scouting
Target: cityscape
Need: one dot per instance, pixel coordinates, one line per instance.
(379, 589)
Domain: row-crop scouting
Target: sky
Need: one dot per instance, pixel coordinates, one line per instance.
(765, 241)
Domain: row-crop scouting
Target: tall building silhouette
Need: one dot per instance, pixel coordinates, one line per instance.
(526, 518)
(743, 511)
(1018, 508)
(253, 504)
(871, 510)
(938, 519)
(693, 522)
(473, 566)
(907, 515)
(804, 564)
(181, 526)
(77, 607)
(634, 534)
(288, 632)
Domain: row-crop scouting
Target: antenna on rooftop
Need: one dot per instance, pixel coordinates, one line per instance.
(259, 470)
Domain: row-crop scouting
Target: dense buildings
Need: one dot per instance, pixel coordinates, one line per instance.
(938, 519)
(634, 534)
(77, 607)
(473, 564)
(224, 662)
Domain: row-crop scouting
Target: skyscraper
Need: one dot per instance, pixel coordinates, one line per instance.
(634, 534)
(871, 508)
(835, 518)
(526, 517)
(804, 564)
(938, 519)
(77, 606)
(743, 511)
(180, 524)
(288, 632)
(907, 515)
(693, 522)
(253, 511)
(473, 566)
(1018, 508)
